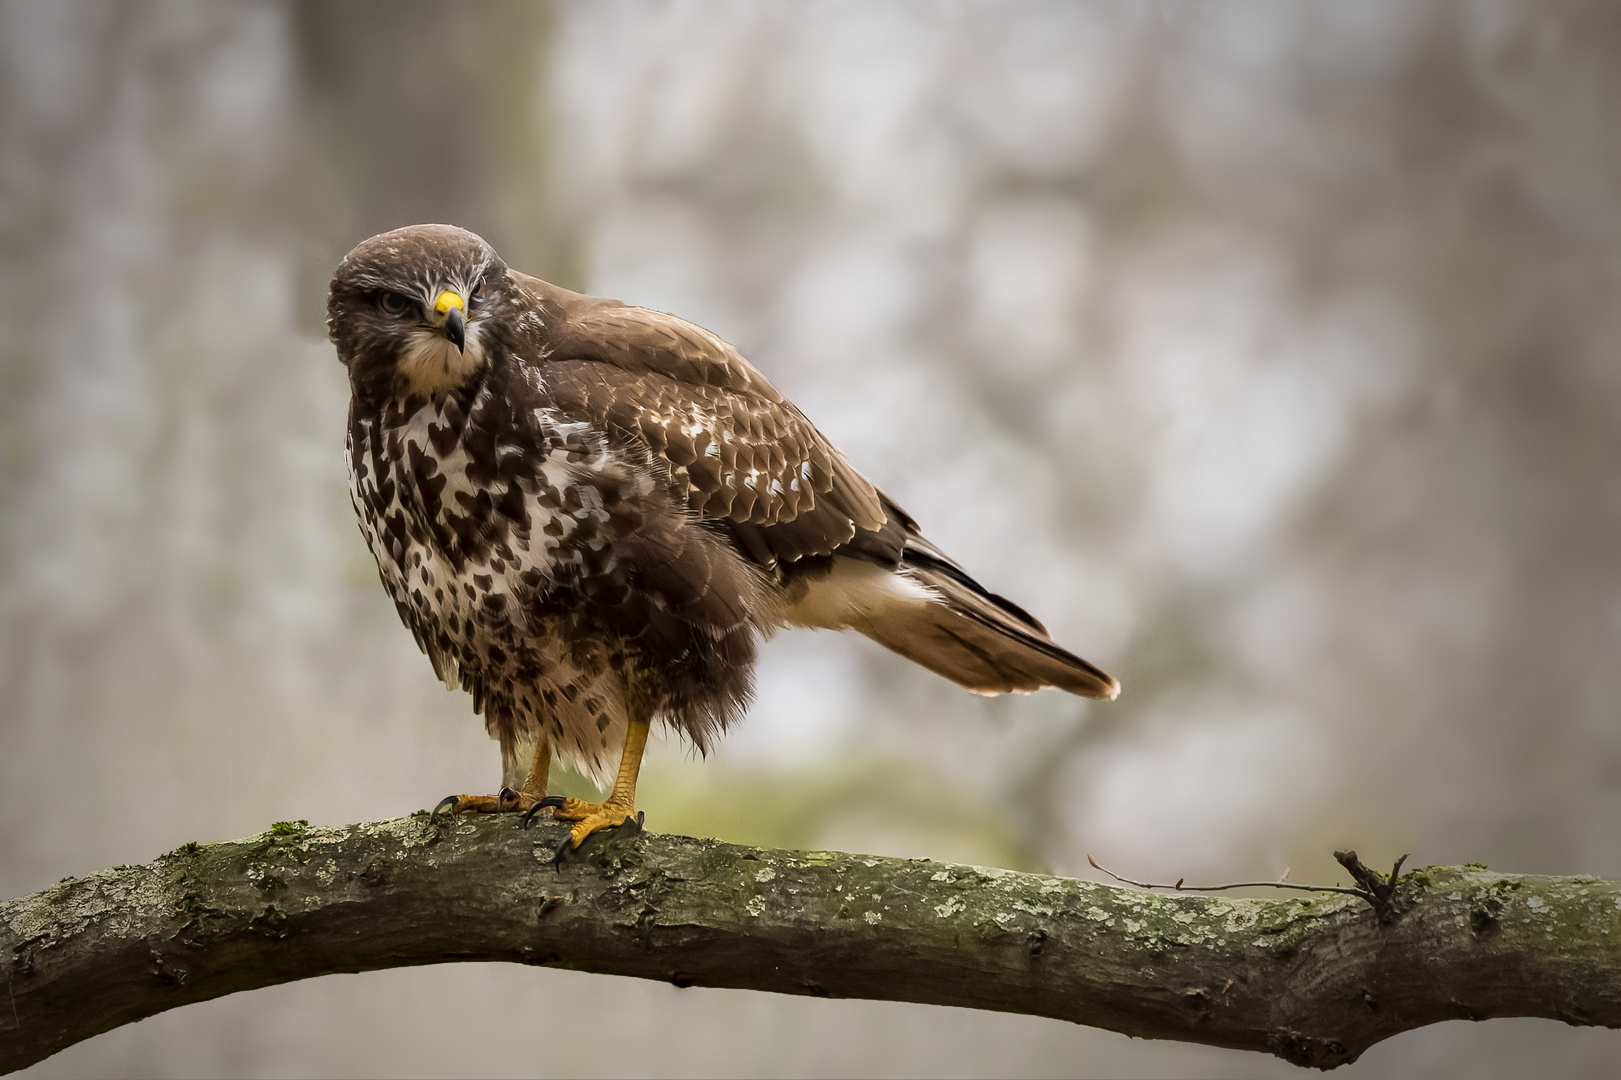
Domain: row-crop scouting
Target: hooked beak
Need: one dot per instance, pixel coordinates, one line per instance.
(450, 305)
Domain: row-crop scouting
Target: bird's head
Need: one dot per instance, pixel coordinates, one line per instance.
(407, 309)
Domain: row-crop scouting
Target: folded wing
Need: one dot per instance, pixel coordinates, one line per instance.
(749, 462)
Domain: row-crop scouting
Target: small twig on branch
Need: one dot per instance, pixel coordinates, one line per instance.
(1380, 892)
(1371, 897)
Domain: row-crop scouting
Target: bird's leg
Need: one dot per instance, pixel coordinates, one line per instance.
(621, 802)
(507, 800)
(540, 769)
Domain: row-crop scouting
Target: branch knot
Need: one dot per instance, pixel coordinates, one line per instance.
(1377, 890)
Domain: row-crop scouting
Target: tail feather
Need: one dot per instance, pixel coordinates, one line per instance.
(932, 612)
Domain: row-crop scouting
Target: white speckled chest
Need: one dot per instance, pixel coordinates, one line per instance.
(481, 528)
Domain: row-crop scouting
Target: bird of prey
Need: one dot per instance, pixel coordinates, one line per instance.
(588, 512)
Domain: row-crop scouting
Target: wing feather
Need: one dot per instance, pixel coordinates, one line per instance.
(737, 451)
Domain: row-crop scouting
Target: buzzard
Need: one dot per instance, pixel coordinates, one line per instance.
(587, 512)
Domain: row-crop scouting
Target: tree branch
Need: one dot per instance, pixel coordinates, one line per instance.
(1315, 981)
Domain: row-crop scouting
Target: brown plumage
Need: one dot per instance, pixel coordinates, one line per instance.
(587, 512)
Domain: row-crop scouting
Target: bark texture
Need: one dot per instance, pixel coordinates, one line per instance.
(1315, 980)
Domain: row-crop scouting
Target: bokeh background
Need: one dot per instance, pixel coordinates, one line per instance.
(1270, 352)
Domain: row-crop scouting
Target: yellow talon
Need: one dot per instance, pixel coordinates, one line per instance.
(620, 805)
(591, 817)
(522, 801)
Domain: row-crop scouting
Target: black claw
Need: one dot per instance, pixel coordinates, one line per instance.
(630, 825)
(501, 798)
(448, 800)
(546, 803)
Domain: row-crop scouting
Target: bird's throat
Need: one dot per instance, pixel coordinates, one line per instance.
(431, 364)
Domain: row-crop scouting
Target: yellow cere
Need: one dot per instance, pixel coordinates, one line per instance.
(448, 300)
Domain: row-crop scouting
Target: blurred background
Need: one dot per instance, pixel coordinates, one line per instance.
(1269, 352)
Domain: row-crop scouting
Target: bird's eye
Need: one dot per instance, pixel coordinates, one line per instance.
(394, 302)
(476, 297)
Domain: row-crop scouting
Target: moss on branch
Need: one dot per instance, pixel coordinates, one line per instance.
(1315, 979)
